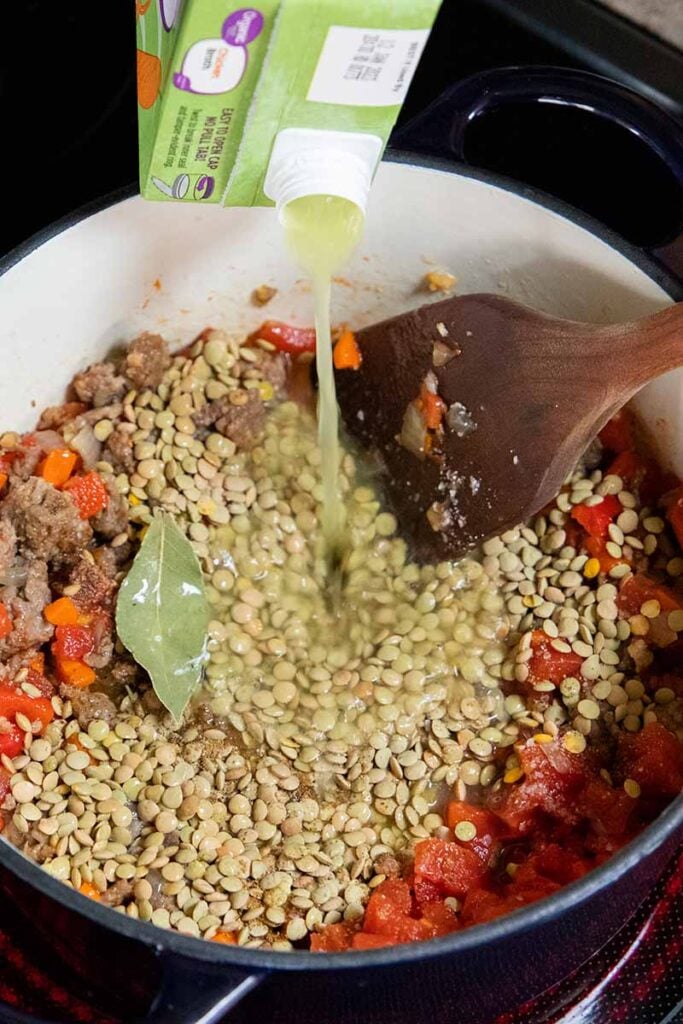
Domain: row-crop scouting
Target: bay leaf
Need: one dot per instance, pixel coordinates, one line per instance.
(162, 614)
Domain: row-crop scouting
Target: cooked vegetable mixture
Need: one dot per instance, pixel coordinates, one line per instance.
(423, 748)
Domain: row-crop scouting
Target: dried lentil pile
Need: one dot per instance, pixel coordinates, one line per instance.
(324, 742)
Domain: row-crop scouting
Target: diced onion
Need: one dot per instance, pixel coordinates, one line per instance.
(413, 431)
(14, 577)
(459, 419)
(87, 446)
(431, 383)
(48, 440)
(441, 354)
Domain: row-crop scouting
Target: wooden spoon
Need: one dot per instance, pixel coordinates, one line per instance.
(525, 394)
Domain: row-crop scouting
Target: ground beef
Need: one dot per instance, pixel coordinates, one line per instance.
(29, 628)
(118, 893)
(89, 705)
(387, 865)
(159, 899)
(99, 385)
(55, 416)
(119, 451)
(117, 676)
(151, 702)
(110, 559)
(243, 424)
(95, 588)
(146, 361)
(46, 521)
(113, 519)
(271, 366)
(24, 466)
(35, 844)
(8, 546)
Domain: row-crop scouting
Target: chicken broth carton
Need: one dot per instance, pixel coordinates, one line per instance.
(218, 83)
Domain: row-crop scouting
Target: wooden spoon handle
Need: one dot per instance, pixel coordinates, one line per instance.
(651, 346)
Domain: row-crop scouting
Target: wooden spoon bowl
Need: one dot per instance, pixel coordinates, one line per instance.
(524, 394)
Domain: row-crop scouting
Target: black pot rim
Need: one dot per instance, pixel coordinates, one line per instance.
(520, 921)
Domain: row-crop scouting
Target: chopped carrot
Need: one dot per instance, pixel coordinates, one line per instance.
(347, 355)
(37, 663)
(6, 624)
(62, 612)
(90, 890)
(75, 673)
(228, 938)
(3, 480)
(432, 408)
(58, 466)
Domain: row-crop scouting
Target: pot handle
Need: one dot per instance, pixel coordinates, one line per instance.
(442, 128)
(189, 994)
(192, 992)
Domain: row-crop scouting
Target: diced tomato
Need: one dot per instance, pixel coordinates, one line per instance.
(636, 590)
(529, 885)
(482, 905)
(450, 867)
(88, 493)
(595, 519)
(425, 892)
(6, 624)
(41, 683)
(674, 513)
(653, 758)
(14, 702)
(12, 742)
(552, 779)
(630, 467)
(642, 475)
(608, 809)
(364, 941)
(548, 664)
(617, 434)
(441, 919)
(490, 829)
(574, 534)
(335, 938)
(72, 642)
(285, 337)
(559, 864)
(389, 902)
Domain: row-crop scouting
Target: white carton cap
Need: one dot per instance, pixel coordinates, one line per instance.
(309, 162)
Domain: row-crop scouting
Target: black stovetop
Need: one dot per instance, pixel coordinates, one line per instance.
(67, 95)
(67, 88)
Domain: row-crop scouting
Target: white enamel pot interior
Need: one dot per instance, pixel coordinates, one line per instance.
(176, 268)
